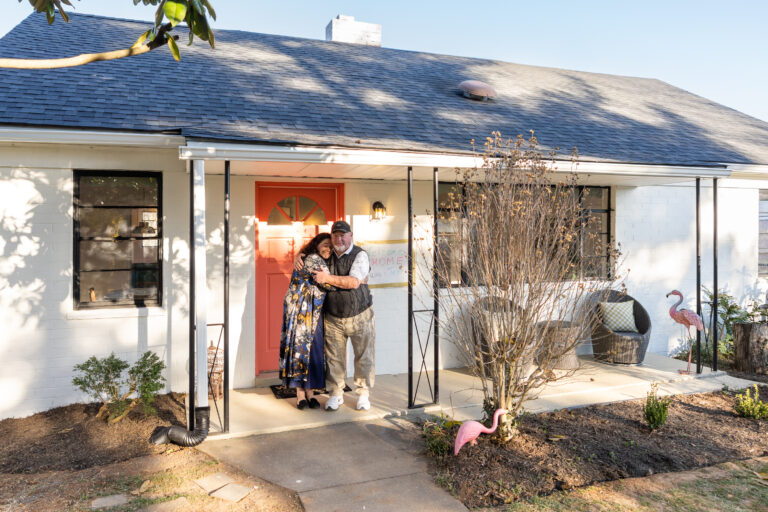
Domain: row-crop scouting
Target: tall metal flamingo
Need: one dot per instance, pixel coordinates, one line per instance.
(687, 318)
(470, 430)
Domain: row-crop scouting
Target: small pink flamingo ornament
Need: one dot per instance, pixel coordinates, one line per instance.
(687, 318)
(470, 430)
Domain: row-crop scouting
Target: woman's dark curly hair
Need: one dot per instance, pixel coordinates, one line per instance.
(311, 247)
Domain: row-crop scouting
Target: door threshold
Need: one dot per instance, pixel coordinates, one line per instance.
(266, 379)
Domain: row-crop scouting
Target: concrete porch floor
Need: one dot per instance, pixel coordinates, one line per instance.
(256, 411)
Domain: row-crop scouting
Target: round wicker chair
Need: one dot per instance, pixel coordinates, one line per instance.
(621, 347)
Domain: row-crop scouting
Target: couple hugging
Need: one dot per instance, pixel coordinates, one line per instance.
(327, 302)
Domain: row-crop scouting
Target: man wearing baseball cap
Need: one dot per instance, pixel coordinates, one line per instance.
(348, 314)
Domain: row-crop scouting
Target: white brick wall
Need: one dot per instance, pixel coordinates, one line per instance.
(43, 338)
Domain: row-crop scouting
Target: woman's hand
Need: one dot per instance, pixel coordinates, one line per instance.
(321, 277)
(298, 262)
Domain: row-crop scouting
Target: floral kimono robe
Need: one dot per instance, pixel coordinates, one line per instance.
(302, 327)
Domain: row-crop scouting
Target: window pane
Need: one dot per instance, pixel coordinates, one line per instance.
(139, 284)
(119, 254)
(448, 195)
(595, 198)
(288, 205)
(595, 267)
(114, 222)
(306, 205)
(316, 219)
(118, 191)
(277, 217)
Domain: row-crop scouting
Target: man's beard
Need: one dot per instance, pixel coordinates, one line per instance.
(339, 248)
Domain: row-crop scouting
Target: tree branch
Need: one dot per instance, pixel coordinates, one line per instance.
(69, 62)
(86, 58)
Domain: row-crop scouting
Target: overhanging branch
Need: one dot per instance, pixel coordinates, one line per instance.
(160, 39)
(68, 62)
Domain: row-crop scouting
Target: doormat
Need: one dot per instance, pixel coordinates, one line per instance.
(281, 391)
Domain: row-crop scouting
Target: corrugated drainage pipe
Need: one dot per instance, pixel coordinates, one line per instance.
(183, 437)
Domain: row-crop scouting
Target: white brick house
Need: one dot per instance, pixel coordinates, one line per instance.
(309, 116)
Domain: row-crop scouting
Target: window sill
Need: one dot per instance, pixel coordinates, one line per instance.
(86, 314)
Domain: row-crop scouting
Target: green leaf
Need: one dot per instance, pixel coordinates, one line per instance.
(210, 9)
(175, 11)
(159, 16)
(174, 48)
(191, 37)
(143, 37)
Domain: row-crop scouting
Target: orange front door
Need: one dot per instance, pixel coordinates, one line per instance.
(288, 216)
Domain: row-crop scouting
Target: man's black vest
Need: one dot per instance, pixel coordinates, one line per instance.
(346, 303)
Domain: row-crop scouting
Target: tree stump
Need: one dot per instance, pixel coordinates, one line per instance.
(750, 347)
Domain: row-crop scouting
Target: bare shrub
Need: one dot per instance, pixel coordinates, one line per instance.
(532, 256)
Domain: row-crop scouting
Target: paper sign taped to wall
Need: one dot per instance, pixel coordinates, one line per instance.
(389, 263)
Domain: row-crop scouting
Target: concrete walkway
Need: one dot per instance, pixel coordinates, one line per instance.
(370, 466)
(371, 460)
(256, 411)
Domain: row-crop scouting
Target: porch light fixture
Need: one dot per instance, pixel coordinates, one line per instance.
(379, 210)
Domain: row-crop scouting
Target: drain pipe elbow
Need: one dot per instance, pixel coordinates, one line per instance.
(183, 437)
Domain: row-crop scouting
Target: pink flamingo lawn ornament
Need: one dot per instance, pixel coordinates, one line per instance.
(687, 318)
(470, 430)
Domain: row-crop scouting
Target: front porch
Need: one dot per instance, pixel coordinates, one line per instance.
(256, 411)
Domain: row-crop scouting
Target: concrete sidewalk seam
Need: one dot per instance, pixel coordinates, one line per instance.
(365, 482)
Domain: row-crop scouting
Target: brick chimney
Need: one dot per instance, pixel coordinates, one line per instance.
(346, 30)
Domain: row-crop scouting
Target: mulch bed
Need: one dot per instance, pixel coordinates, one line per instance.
(573, 448)
(71, 437)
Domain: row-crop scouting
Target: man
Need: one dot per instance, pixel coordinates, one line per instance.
(348, 314)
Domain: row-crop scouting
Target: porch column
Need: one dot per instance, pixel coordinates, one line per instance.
(411, 400)
(698, 272)
(200, 285)
(714, 284)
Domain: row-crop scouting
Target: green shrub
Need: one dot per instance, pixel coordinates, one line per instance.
(655, 408)
(748, 406)
(439, 433)
(102, 379)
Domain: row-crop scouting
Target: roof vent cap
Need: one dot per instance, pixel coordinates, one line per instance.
(477, 90)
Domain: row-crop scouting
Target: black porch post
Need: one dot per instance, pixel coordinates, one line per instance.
(226, 295)
(436, 285)
(410, 288)
(191, 394)
(698, 272)
(714, 284)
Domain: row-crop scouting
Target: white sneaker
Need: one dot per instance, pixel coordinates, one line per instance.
(363, 404)
(333, 403)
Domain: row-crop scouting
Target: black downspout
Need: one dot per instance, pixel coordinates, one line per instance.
(410, 289)
(714, 255)
(698, 272)
(226, 295)
(199, 417)
(436, 285)
(191, 394)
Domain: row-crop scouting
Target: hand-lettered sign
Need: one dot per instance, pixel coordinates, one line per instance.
(389, 263)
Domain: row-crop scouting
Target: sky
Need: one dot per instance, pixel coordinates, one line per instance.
(716, 49)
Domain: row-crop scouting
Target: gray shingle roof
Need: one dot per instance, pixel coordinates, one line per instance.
(266, 88)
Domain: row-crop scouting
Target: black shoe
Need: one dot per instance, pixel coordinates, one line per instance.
(301, 405)
(313, 403)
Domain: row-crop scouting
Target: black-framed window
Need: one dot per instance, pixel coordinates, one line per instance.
(597, 206)
(762, 256)
(118, 236)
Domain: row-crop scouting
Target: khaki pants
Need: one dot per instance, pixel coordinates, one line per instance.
(360, 330)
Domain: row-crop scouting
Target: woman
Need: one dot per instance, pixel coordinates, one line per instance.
(301, 340)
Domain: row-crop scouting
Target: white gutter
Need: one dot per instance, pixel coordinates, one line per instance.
(13, 135)
(304, 154)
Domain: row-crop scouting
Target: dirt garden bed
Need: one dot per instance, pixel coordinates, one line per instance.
(574, 448)
(63, 458)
